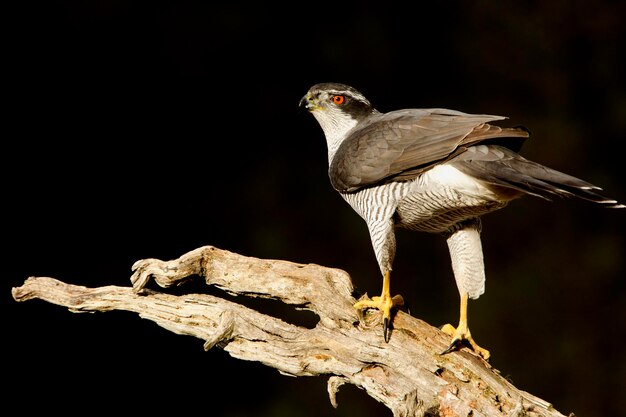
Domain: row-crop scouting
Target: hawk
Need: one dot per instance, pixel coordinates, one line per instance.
(430, 170)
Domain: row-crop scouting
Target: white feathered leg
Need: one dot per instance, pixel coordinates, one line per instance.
(469, 273)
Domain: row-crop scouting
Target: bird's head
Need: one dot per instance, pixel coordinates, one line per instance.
(337, 108)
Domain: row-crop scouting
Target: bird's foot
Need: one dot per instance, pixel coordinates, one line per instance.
(459, 335)
(384, 304)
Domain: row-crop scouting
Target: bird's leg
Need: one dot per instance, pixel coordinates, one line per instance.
(462, 332)
(469, 273)
(384, 303)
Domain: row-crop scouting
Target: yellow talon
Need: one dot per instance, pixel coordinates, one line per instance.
(462, 332)
(384, 304)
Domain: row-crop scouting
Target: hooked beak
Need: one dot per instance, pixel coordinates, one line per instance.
(307, 102)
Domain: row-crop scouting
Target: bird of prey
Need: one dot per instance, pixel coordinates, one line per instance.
(430, 170)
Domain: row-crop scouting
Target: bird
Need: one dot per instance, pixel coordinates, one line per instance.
(430, 170)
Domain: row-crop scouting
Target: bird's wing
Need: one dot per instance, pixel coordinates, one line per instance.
(401, 144)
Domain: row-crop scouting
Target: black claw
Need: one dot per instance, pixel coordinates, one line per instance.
(386, 329)
(452, 347)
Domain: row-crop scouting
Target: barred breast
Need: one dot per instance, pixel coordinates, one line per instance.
(440, 210)
(434, 202)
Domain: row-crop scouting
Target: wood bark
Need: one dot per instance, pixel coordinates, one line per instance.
(409, 374)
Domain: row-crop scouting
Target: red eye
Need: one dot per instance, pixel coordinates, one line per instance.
(338, 99)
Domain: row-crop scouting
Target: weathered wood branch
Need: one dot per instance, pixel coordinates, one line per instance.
(408, 374)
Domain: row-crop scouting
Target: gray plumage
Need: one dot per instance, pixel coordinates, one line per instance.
(430, 170)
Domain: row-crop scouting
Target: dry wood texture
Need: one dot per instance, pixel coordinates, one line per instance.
(408, 374)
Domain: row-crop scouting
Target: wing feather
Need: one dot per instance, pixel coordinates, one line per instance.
(399, 145)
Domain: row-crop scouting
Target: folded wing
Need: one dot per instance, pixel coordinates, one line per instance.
(399, 145)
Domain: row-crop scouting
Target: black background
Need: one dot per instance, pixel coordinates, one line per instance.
(147, 129)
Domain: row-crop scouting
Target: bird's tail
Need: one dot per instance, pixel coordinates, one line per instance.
(500, 166)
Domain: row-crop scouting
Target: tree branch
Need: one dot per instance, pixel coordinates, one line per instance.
(408, 374)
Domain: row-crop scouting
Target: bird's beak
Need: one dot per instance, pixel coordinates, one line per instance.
(307, 102)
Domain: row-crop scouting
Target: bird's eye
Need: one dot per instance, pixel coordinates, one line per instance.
(339, 99)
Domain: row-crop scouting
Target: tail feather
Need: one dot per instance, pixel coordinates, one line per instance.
(500, 166)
